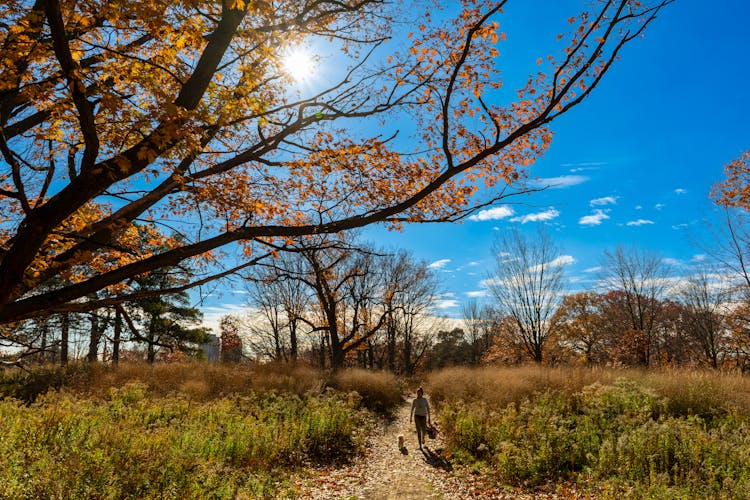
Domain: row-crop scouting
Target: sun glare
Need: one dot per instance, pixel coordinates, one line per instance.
(299, 64)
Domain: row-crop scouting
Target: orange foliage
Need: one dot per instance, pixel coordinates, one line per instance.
(139, 135)
(734, 191)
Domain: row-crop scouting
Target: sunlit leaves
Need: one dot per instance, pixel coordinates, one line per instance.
(734, 191)
(197, 135)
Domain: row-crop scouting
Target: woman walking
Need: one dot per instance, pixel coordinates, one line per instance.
(420, 411)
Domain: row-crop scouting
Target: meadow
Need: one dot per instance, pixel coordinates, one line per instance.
(198, 430)
(608, 433)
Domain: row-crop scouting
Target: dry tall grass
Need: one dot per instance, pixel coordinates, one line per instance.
(687, 391)
(380, 391)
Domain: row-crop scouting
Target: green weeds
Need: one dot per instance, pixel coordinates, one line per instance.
(130, 444)
(628, 437)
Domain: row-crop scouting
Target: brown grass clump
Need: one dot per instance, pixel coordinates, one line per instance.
(687, 392)
(380, 391)
(198, 381)
(700, 392)
(500, 386)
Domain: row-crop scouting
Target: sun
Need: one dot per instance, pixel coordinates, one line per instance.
(299, 64)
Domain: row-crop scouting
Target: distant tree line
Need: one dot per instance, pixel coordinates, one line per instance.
(154, 327)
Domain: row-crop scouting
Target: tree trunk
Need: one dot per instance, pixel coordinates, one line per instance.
(151, 352)
(95, 335)
(408, 368)
(293, 341)
(64, 334)
(116, 340)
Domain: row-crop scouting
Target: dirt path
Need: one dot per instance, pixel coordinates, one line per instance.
(386, 473)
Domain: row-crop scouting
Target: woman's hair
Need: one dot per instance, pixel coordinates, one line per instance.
(420, 390)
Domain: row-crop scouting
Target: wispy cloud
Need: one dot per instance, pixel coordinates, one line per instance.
(659, 206)
(585, 165)
(672, 262)
(639, 207)
(495, 213)
(678, 227)
(699, 257)
(594, 269)
(560, 261)
(560, 182)
(593, 219)
(477, 293)
(439, 264)
(445, 304)
(537, 217)
(680, 191)
(490, 282)
(605, 200)
(639, 222)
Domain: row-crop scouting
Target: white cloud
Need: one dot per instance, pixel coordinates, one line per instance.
(699, 257)
(638, 207)
(490, 282)
(473, 263)
(679, 226)
(439, 264)
(594, 269)
(212, 314)
(605, 200)
(537, 217)
(495, 213)
(560, 261)
(639, 222)
(594, 219)
(477, 293)
(562, 181)
(584, 165)
(445, 304)
(672, 262)
(680, 191)
(659, 206)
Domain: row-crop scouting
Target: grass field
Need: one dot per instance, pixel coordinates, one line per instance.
(179, 431)
(668, 434)
(198, 430)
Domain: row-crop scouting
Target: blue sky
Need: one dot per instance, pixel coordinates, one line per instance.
(634, 163)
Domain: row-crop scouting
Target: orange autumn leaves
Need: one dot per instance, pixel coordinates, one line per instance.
(734, 191)
(153, 133)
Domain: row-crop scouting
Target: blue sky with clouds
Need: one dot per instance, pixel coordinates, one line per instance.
(632, 165)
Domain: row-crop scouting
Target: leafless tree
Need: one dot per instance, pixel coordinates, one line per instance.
(409, 287)
(704, 299)
(642, 278)
(282, 300)
(527, 284)
(478, 326)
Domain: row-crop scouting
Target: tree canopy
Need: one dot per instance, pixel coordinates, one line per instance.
(142, 134)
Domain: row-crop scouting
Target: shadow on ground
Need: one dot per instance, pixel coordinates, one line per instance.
(436, 459)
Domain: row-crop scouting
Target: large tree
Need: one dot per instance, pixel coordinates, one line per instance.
(527, 285)
(129, 120)
(580, 327)
(639, 280)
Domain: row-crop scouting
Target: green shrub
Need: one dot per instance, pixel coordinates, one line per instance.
(619, 438)
(132, 445)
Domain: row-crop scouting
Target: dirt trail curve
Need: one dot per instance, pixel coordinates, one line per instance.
(387, 473)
